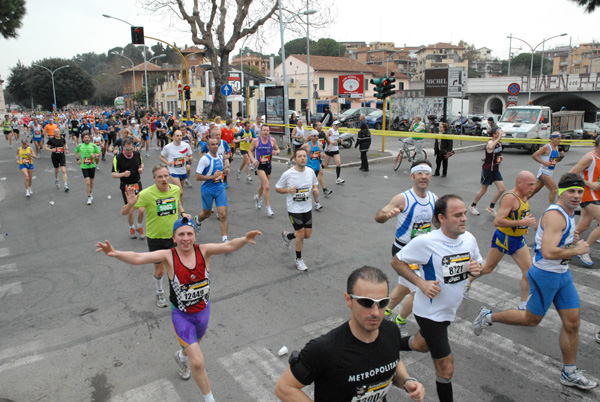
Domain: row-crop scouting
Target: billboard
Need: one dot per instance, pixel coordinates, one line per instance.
(274, 108)
(443, 82)
(235, 80)
(351, 86)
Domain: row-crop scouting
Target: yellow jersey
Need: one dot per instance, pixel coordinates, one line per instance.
(516, 215)
(25, 156)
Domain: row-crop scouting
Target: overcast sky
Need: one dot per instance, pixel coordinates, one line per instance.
(65, 28)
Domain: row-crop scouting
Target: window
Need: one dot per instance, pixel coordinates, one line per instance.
(335, 86)
(321, 84)
(366, 84)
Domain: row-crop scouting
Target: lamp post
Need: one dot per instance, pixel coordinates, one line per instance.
(132, 71)
(282, 26)
(532, 52)
(52, 74)
(145, 63)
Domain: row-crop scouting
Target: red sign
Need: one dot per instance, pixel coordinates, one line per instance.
(511, 104)
(351, 86)
(514, 88)
(235, 80)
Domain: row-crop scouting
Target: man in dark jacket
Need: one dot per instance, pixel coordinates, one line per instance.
(442, 150)
(363, 143)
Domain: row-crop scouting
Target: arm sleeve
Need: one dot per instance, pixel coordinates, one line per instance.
(311, 363)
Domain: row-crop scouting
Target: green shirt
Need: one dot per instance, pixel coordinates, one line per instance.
(161, 210)
(87, 151)
(6, 126)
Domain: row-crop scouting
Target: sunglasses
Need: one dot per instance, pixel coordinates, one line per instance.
(127, 149)
(367, 302)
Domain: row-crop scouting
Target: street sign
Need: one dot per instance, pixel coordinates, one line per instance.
(514, 88)
(235, 80)
(226, 90)
(513, 98)
(511, 104)
(351, 86)
(455, 82)
(436, 82)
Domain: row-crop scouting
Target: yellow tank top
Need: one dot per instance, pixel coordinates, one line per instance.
(246, 140)
(25, 156)
(517, 215)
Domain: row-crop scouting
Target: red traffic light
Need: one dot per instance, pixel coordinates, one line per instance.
(187, 87)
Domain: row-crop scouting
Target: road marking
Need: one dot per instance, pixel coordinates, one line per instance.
(20, 350)
(14, 288)
(21, 362)
(12, 267)
(159, 390)
(4, 252)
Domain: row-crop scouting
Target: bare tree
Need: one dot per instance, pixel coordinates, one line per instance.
(218, 25)
(590, 5)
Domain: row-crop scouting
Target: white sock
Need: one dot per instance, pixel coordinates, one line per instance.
(158, 283)
(569, 368)
(488, 318)
(209, 397)
(224, 238)
(131, 226)
(522, 305)
(182, 356)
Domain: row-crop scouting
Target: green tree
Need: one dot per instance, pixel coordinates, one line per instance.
(327, 47)
(16, 84)
(11, 14)
(298, 46)
(590, 5)
(253, 69)
(521, 65)
(72, 84)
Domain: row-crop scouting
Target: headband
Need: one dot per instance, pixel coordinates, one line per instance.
(562, 190)
(421, 168)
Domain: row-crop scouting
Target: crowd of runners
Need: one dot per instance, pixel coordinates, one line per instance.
(437, 268)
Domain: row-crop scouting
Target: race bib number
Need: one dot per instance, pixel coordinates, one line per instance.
(420, 228)
(194, 293)
(179, 162)
(524, 215)
(566, 261)
(60, 150)
(135, 187)
(97, 141)
(455, 267)
(265, 159)
(219, 179)
(166, 206)
(88, 161)
(498, 160)
(553, 162)
(25, 161)
(315, 155)
(372, 393)
(301, 194)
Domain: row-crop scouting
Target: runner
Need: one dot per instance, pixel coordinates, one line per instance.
(58, 146)
(87, 155)
(299, 182)
(548, 156)
(128, 166)
(161, 202)
(247, 135)
(161, 133)
(314, 150)
(257, 126)
(7, 130)
(556, 241)
(211, 169)
(448, 256)
(413, 210)
(490, 172)
(224, 150)
(357, 361)
(298, 135)
(16, 125)
(333, 151)
(324, 142)
(36, 135)
(74, 129)
(175, 155)
(98, 140)
(188, 271)
(513, 220)
(589, 168)
(102, 129)
(24, 158)
(265, 148)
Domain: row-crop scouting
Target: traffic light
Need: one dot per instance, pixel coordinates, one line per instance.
(251, 90)
(186, 90)
(244, 92)
(137, 35)
(388, 87)
(379, 86)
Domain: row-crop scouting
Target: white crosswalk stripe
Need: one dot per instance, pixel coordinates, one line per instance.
(5, 269)
(14, 288)
(159, 390)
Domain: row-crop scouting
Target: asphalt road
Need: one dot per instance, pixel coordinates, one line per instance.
(79, 326)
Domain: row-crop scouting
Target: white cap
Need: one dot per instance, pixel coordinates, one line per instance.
(336, 122)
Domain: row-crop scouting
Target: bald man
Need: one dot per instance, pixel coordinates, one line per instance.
(512, 221)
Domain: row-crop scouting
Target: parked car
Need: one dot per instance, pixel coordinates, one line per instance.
(589, 131)
(375, 120)
(314, 117)
(349, 118)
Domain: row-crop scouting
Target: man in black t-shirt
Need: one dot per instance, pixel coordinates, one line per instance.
(58, 146)
(357, 361)
(128, 166)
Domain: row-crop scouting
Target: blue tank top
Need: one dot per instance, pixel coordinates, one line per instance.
(314, 157)
(264, 152)
(213, 165)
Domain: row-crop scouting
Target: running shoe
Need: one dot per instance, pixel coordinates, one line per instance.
(198, 223)
(132, 234)
(147, 155)
(300, 265)
(270, 211)
(339, 180)
(184, 366)
(56, 183)
(30, 191)
(27, 193)
(89, 201)
(248, 178)
(141, 232)
(491, 211)
(466, 290)
(598, 337)
(473, 210)
(257, 201)
(103, 158)
(226, 185)
(188, 184)
(388, 314)
(160, 299)
(66, 189)
(577, 380)
(286, 240)
(238, 174)
(318, 206)
(480, 321)
(586, 259)
(327, 192)
(401, 323)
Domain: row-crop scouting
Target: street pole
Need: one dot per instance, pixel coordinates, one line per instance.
(52, 75)
(132, 71)
(542, 63)
(286, 130)
(509, 52)
(308, 92)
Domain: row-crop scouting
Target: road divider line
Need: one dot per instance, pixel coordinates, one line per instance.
(14, 288)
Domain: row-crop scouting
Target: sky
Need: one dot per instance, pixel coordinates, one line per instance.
(78, 26)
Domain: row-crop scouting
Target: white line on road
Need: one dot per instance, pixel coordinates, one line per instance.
(159, 390)
(20, 350)
(4, 252)
(14, 288)
(21, 362)
(4, 269)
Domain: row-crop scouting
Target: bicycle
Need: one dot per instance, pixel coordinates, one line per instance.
(407, 152)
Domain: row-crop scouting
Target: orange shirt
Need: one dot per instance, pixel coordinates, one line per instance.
(592, 173)
(49, 129)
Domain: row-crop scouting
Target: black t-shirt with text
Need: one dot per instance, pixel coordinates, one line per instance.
(59, 144)
(122, 164)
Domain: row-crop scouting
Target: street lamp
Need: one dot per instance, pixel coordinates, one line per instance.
(282, 26)
(532, 52)
(132, 72)
(52, 73)
(145, 62)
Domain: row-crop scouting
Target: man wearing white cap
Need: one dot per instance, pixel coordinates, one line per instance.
(333, 151)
